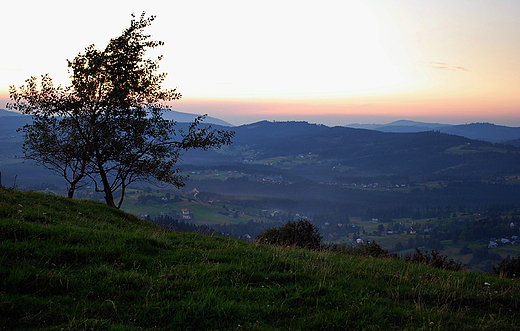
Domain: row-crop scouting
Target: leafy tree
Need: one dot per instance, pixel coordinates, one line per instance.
(301, 233)
(107, 126)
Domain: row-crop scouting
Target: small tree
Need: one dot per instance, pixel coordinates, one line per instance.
(107, 126)
(301, 233)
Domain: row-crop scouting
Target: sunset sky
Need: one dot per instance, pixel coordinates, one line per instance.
(329, 62)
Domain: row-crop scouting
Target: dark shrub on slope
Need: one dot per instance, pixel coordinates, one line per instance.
(300, 233)
(508, 268)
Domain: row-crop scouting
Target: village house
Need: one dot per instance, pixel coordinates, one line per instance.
(186, 214)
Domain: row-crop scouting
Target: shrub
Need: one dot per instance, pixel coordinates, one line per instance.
(508, 268)
(368, 249)
(435, 260)
(300, 233)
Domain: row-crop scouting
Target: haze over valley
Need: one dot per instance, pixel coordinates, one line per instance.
(275, 171)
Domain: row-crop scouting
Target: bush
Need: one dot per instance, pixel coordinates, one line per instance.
(368, 249)
(435, 260)
(508, 268)
(300, 233)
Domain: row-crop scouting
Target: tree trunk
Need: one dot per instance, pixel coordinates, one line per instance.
(72, 188)
(76, 180)
(123, 190)
(109, 196)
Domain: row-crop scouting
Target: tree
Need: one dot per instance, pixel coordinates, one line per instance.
(52, 142)
(301, 233)
(107, 126)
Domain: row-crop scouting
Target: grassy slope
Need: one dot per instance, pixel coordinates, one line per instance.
(80, 265)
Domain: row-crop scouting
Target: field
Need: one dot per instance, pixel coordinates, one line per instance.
(201, 213)
(80, 265)
(449, 248)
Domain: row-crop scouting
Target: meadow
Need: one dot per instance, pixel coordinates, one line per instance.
(80, 265)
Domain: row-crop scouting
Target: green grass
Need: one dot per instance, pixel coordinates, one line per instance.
(204, 213)
(79, 265)
(459, 150)
(212, 174)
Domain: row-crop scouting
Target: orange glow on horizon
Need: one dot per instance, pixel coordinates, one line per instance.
(392, 105)
(332, 62)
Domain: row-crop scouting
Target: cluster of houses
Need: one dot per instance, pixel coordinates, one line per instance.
(506, 241)
(375, 185)
(185, 214)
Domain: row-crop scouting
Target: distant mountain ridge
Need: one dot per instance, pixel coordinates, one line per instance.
(399, 126)
(188, 117)
(170, 115)
(477, 131)
(4, 112)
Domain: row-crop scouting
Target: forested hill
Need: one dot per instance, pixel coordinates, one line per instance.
(324, 154)
(323, 169)
(301, 137)
(369, 152)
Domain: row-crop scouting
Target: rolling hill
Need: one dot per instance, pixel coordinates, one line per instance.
(477, 131)
(4, 112)
(371, 153)
(188, 118)
(324, 168)
(170, 115)
(70, 264)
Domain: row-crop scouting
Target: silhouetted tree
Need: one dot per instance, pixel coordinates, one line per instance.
(108, 125)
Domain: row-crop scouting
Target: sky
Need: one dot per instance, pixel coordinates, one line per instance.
(327, 62)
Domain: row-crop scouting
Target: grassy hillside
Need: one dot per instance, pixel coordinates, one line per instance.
(79, 265)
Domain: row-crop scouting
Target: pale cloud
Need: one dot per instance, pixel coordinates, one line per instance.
(462, 68)
(442, 66)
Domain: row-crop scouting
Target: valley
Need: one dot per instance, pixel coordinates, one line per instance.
(335, 176)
